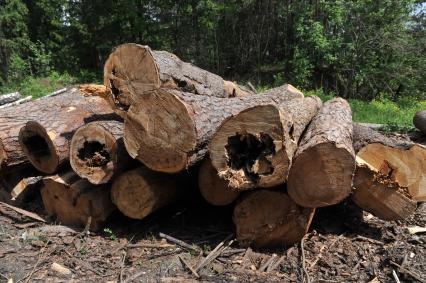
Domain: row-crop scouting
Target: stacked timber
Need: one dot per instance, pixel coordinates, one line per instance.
(273, 157)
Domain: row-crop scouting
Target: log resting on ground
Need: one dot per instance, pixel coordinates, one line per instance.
(255, 147)
(400, 160)
(215, 190)
(73, 200)
(10, 97)
(324, 163)
(45, 138)
(169, 130)
(133, 69)
(270, 218)
(419, 121)
(139, 192)
(97, 151)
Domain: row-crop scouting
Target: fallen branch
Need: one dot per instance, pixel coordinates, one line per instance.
(189, 266)
(180, 243)
(23, 212)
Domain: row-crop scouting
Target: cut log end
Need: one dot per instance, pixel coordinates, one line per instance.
(247, 152)
(93, 153)
(419, 121)
(215, 190)
(161, 134)
(321, 176)
(270, 218)
(38, 147)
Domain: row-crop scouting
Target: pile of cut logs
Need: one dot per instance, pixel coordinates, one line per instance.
(135, 142)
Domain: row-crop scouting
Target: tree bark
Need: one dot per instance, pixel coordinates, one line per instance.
(97, 151)
(324, 163)
(73, 200)
(254, 149)
(45, 138)
(10, 97)
(215, 190)
(400, 160)
(169, 130)
(132, 69)
(139, 192)
(419, 121)
(267, 218)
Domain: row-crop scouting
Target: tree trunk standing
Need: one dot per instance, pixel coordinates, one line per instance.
(168, 130)
(97, 151)
(255, 147)
(266, 218)
(324, 163)
(45, 139)
(401, 161)
(139, 192)
(73, 200)
(214, 189)
(132, 69)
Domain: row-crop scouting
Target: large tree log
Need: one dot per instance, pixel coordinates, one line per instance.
(324, 163)
(73, 200)
(215, 190)
(97, 151)
(10, 97)
(132, 69)
(45, 139)
(401, 161)
(169, 130)
(267, 218)
(139, 192)
(419, 121)
(255, 147)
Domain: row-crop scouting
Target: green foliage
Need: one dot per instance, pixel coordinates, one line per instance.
(110, 234)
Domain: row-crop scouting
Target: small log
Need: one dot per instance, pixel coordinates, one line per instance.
(73, 200)
(266, 218)
(375, 192)
(402, 161)
(169, 130)
(419, 121)
(10, 97)
(17, 102)
(139, 192)
(97, 151)
(133, 69)
(20, 193)
(45, 138)
(324, 163)
(255, 147)
(215, 190)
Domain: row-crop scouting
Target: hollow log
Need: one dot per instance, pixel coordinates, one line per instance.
(215, 190)
(400, 160)
(45, 138)
(133, 69)
(270, 218)
(75, 202)
(254, 149)
(324, 163)
(377, 193)
(97, 151)
(139, 192)
(169, 130)
(419, 121)
(10, 97)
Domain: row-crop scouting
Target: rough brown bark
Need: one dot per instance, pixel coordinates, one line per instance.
(73, 200)
(139, 192)
(214, 189)
(419, 121)
(169, 130)
(402, 161)
(45, 138)
(377, 193)
(133, 69)
(97, 151)
(255, 147)
(266, 218)
(324, 163)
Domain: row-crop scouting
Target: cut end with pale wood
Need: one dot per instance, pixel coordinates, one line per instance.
(38, 147)
(215, 190)
(376, 192)
(267, 218)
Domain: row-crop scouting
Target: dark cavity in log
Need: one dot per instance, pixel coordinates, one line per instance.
(251, 153)
(94, 154)
(37, 146)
